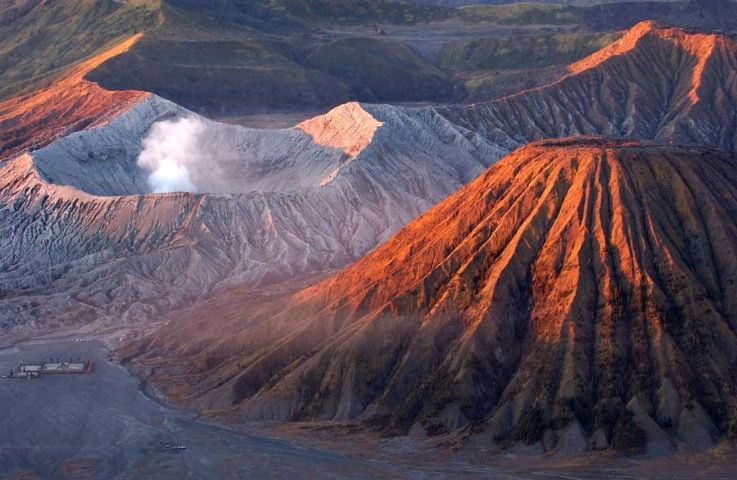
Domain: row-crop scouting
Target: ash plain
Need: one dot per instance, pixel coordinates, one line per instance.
(101, 425)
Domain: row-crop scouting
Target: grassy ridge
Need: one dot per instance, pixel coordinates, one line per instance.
(53, 35)
(522, 52)
(523, 14)
(380, 69)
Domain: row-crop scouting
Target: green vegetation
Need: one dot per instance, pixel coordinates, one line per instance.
(522, 52)
(380, 69)
(523, 14)
(53, 35)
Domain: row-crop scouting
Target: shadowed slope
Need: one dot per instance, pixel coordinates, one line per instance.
(581, 288)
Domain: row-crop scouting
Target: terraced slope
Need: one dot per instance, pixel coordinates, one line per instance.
(580, 293)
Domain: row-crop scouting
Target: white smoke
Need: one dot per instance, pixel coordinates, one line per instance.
(172, 155)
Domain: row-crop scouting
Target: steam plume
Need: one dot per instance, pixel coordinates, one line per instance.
(171, 155)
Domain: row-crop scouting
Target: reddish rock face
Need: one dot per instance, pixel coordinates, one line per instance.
(577, 282)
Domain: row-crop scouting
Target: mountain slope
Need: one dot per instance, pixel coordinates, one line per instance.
(235, 56)
(655, 82)
(70, 104)
(256, 54)
(78, 215)
(579, 291)
(39, 39)
(305, 200)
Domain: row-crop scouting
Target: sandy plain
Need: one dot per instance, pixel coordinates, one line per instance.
(101, 425)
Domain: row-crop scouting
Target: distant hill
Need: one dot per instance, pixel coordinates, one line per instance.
(290, 55)
(606, 15)
(230, 57)
(263, 55)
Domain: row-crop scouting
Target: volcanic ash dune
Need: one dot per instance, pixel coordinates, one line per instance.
(579, 294)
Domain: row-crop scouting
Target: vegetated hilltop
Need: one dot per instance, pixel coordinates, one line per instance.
(580, 294)
(40, 39)
(231, 56)
(77, 215)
